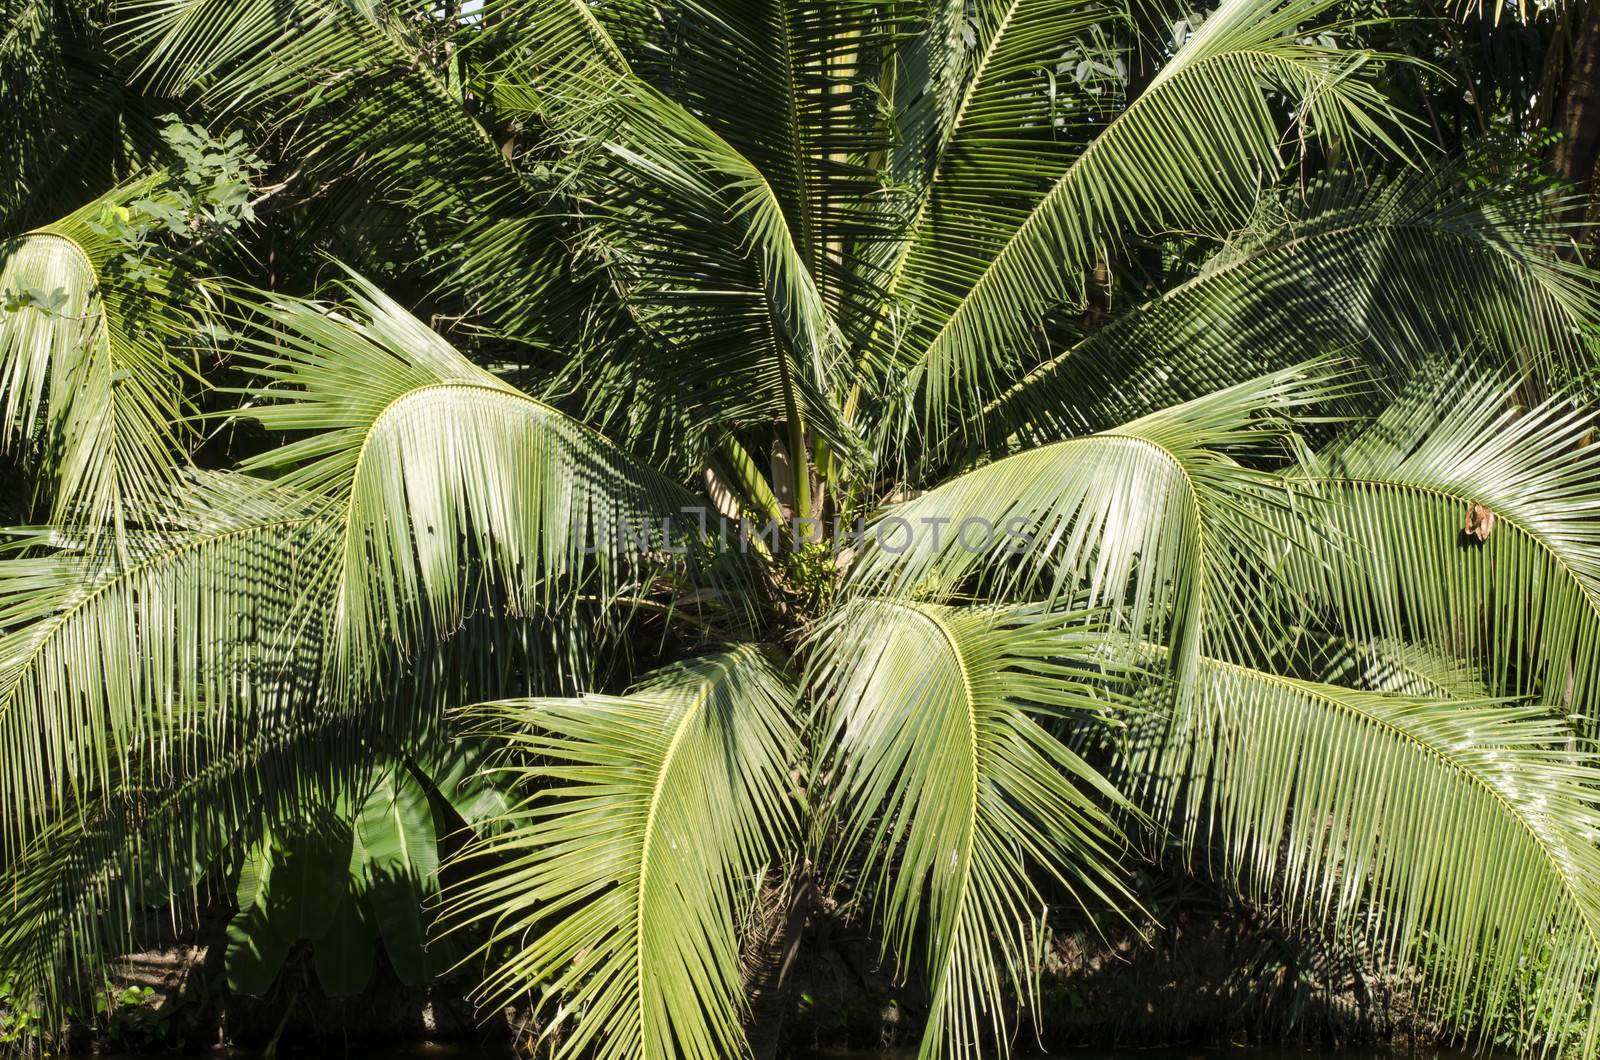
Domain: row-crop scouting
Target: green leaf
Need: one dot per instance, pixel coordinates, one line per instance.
(262, 931)
(1522, 606)
(637, 809)
(1455, 834)
(89, 366)
(400, 864)
(949, 791)
(347, 951)
(461, 771)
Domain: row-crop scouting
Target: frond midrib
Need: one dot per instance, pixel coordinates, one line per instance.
(691, 713)
(914, 226)
(969, 839)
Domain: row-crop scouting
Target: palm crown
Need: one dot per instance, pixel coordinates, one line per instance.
(1162, 388)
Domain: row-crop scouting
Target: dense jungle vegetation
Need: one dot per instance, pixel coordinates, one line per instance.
(570, 505)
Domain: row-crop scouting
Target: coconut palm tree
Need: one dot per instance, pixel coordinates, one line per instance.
(945, 449)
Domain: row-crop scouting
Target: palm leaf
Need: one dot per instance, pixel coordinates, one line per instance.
(1458, 834)
(117, 672)
(639, 808)
(1189, 151)
(440, 471)
(1391, 272)
(694, 234)
(949, 791)
(89, 363)
(791, 85)
(73, 895)
(1157, 519)
(356, 104)
(1522, 606)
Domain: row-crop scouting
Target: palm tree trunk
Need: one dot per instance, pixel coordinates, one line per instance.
(771, 940)
(1578, 116)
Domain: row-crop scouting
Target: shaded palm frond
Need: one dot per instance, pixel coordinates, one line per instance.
(694, 235)
(357, 105)
(82, 893)
(793, 86)
(1455, 835)
(1391, 272)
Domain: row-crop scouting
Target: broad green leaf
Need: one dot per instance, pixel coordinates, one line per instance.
(400, 866)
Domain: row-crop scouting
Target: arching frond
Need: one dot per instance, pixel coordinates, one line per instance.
(1191, 150)
(791, 85)
(950, 792)
(114, 671)
(454, 489)
(387, 127)
(1391, 273)
(1457, 835)
(621, 877)
(90, 368)
(987, 128)
(73, 896)
(695, 236)
(1155, 519)
(1521, 605)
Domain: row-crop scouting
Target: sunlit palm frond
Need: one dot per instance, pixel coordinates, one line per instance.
(1190, 151)
(117, 669)
(1454, 834)
(950, 793)
(454, 489)
(621, 877)
(1156, 519)
(1521, 605)
(91, 368)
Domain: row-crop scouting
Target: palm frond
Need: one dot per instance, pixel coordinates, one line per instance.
(114, 671)
(639, 808)
(454, 490)
(694, 235)
(356, 104)
(1387, 271)
(949, 792)
(1190, 151)
(1521, 605)
(90, 368)
(791, 85)
(1157, 519)
(1458, 836)
(75, 897)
